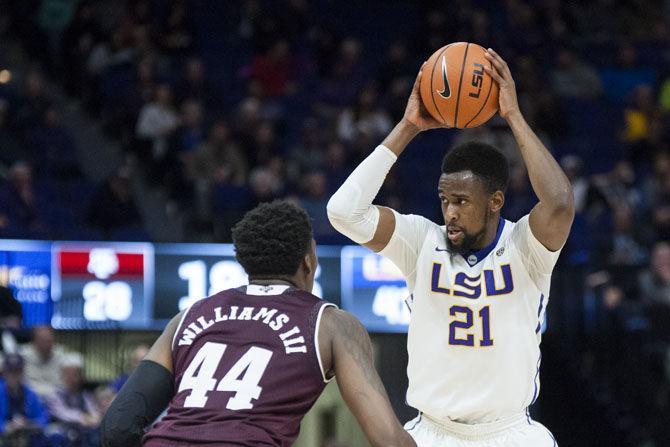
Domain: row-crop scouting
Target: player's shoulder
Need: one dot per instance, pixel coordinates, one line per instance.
(338, 322)
(514, 229)
(416, 220)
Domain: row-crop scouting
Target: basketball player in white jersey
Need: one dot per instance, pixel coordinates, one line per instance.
(479, 283)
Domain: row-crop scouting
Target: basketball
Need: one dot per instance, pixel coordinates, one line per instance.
(455, 89)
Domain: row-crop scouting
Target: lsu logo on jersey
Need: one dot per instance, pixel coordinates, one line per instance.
(471, 287)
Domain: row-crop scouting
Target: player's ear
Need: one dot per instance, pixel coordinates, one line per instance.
(307, 263)
(497, 201)
(309, 260)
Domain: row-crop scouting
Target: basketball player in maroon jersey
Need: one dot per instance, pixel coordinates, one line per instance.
(242, 367)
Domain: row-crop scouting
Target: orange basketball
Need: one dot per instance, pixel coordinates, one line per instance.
(455, 89)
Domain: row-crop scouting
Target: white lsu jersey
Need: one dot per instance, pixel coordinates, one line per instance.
(475, 327)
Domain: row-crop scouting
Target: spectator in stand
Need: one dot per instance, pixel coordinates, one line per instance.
(74, 410)
(661, 209)
(654, 282)
(618, 188)
(190, 133)
(398, 65)
(114, 207)
(195, 85)
(336, 167)
(34, 102)
(145, 83)
(573, 77)
(229, 202)
(568, 281)
(11, 321)
(248, 116)
(183, 145)
(395, 97)
(295, 18)
(572, 166)
(341, 85)
(545, 111)
(325, 42)
(22, 414)
(621, 80)
(366, 117)
(265, 144)
(653, 183)
(145, 46)
(519, 197)
(130, 102)
(43, 362)
(523, 28)
(21, 204)
(103, 395)
(11, 312)
(156, 123)
(664, 95)
(136, 357)
(624, 246)
(274, 70)
(11, 150)
(176, 36)
(438, 27)
(621, 319)
(265, 186)
(314, 199)
(107, 56)
(479, 28)
(308, 154)
(52, 147)
(77, 42)
(218, 160)
(116, 51)
(639, 118)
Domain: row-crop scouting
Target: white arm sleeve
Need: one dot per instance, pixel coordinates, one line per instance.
(350, 210)
(405, 245)
(538, 259)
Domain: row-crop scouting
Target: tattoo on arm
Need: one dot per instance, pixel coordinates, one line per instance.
(356, 342)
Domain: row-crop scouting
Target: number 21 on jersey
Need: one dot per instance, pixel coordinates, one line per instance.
(199, 376)
(463, 321)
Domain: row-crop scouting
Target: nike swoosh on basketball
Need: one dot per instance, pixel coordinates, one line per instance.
(446, 93)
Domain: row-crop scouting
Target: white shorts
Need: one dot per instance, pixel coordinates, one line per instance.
(519, 431)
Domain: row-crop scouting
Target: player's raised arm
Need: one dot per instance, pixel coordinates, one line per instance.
(350, 209)
(347, 352)
(144, 396)
(551, 218)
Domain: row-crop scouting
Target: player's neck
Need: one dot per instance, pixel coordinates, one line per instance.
(490, 234)
(271, 280)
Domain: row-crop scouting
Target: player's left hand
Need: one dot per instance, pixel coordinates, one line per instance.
(507, 100)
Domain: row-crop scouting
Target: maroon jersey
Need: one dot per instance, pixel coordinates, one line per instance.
(246, 367)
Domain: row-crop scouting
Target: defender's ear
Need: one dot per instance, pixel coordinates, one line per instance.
(307, 263)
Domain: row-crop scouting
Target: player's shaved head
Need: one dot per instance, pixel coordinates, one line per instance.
(272, 239)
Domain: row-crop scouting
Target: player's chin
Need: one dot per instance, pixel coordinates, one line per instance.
(455, 246)
(455, 238)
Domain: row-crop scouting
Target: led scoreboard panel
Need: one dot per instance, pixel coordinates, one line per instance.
(102, 285)
(188, 272)
(374, 290)
(115, 285)
(25, 267)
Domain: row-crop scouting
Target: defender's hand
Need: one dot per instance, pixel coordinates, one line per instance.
(415, 113)
(507, 101)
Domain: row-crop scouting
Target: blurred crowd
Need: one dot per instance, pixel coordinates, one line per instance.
(222, 105)
(45, 399)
